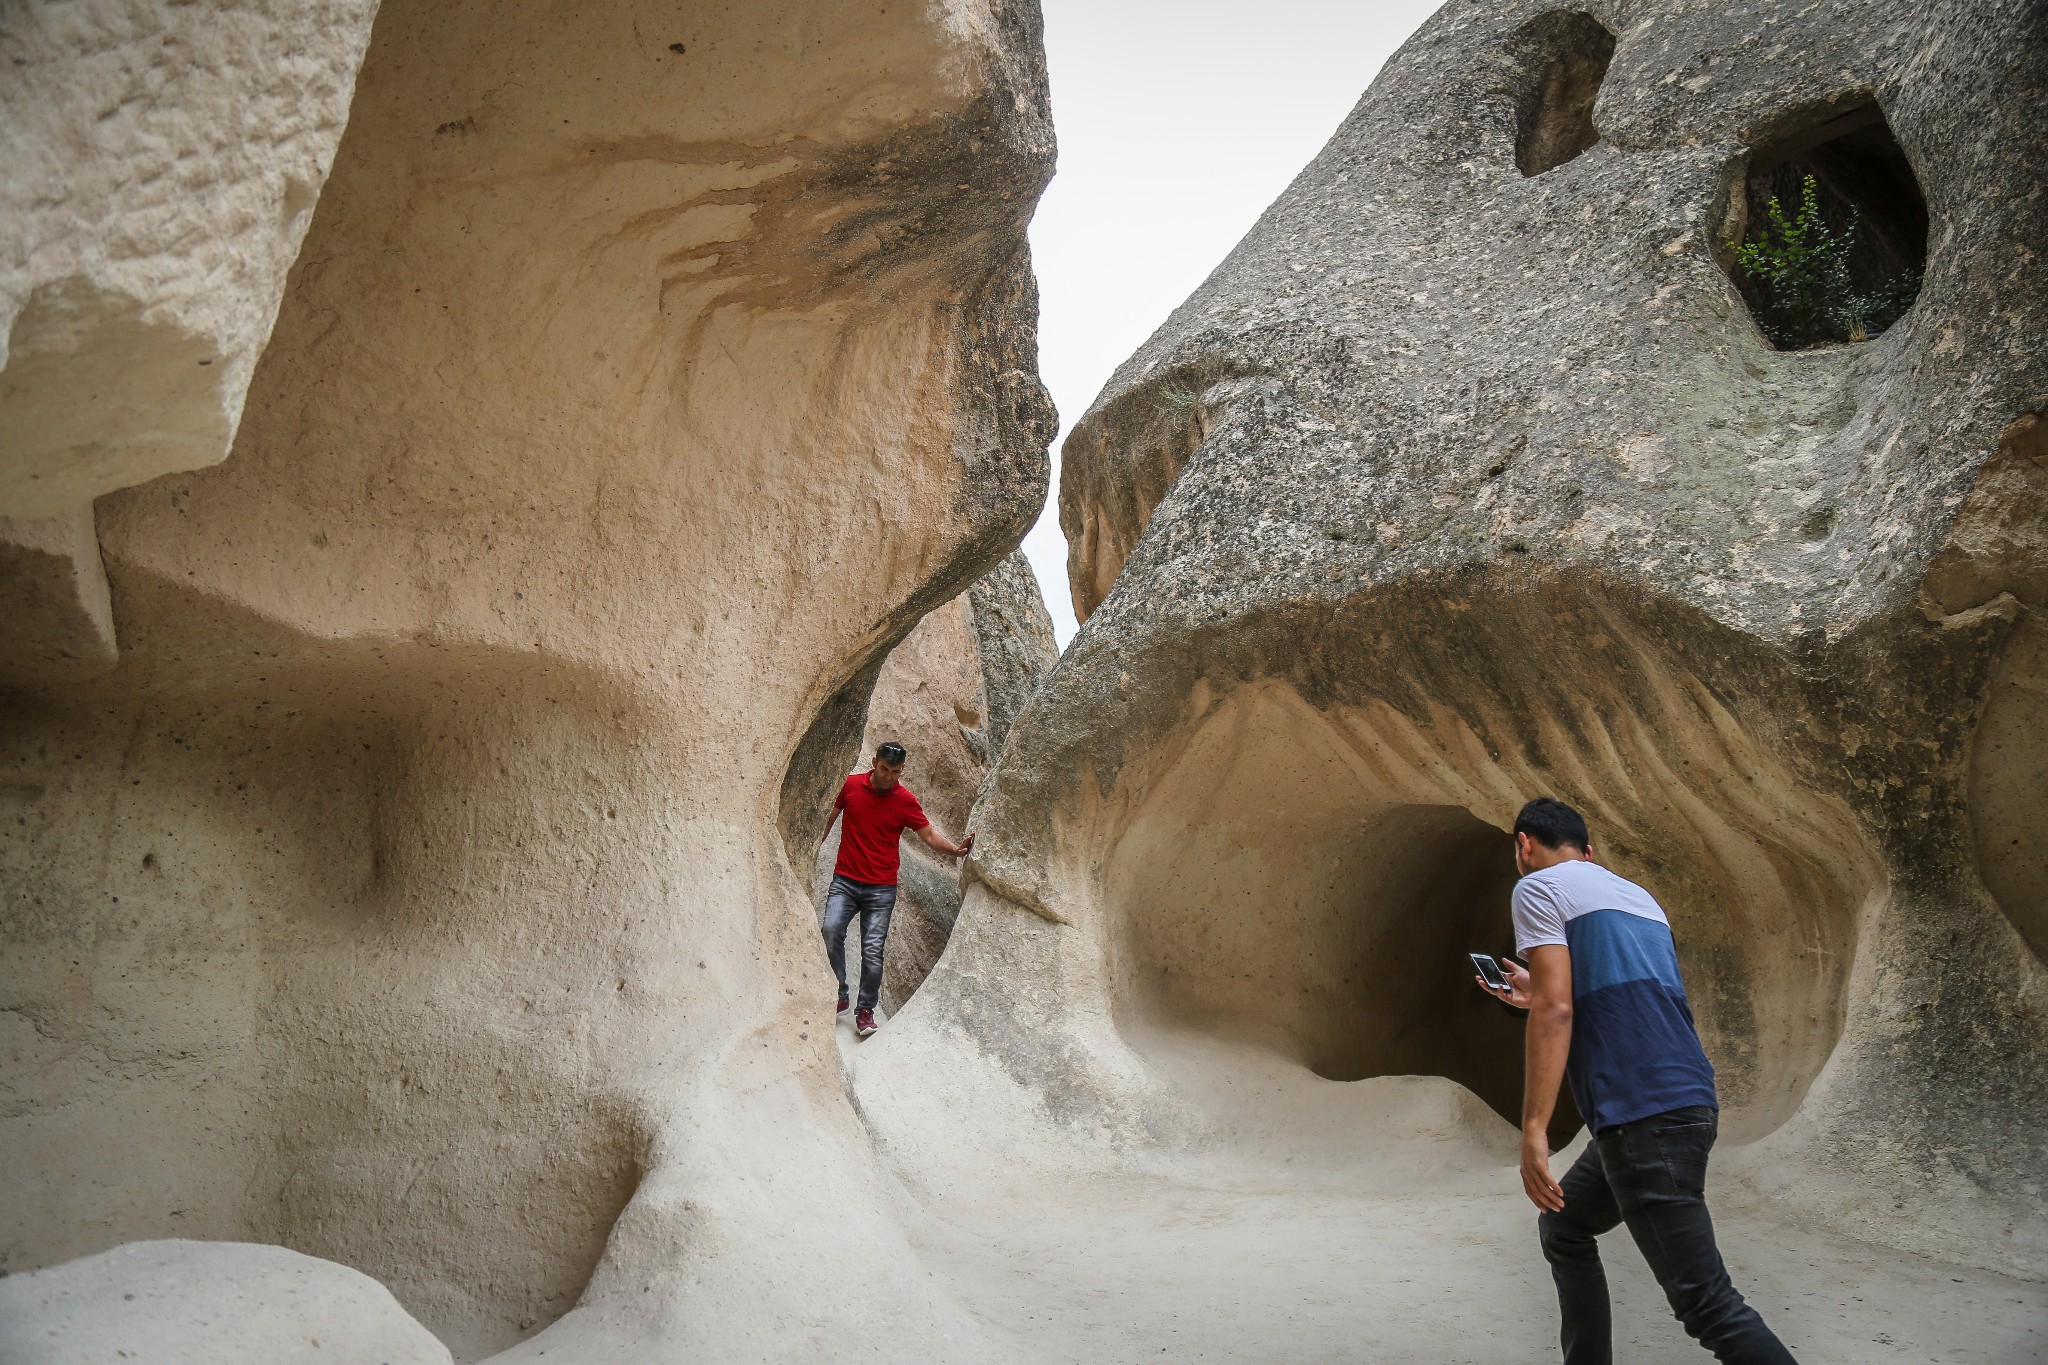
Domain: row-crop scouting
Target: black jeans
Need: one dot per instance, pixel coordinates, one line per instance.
(1652, 1175)
(874, 904)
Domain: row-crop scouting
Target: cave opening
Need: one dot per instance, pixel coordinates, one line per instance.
(1566, 54)
(1829, 243)
(1306, 886)
(1341, 945)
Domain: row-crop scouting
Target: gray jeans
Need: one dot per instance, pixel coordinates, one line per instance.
(874, 904)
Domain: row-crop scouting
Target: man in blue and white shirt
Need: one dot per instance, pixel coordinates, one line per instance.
(1607, 1011)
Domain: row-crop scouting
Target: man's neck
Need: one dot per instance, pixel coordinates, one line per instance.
(1552, 857)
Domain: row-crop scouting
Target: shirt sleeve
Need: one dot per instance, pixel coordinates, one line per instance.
(913, 813)
(839, 801)
(1539, 919)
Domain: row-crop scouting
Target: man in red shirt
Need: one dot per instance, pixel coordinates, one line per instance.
(873, 810)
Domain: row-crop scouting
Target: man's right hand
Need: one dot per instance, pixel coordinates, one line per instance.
(967, 843)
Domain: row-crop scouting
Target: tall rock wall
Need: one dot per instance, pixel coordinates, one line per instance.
(1469, 476)
(415, 891)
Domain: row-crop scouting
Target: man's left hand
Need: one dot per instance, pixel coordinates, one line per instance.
(1516, 992)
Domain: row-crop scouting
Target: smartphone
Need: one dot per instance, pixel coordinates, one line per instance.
(1489, 971)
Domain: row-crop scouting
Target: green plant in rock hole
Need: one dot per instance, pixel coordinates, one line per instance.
(1800, 267)
(1177, 399)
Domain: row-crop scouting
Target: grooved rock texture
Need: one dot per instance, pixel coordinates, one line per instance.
(948, 693)
(162, 161)
(1455, 485)
(415, 892)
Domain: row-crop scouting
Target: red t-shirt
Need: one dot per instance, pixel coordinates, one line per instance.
(869, 827)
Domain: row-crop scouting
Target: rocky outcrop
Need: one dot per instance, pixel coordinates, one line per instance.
(414, 892)
(1467, 477)
(163, 162)
(207, 1303)
(948, 693)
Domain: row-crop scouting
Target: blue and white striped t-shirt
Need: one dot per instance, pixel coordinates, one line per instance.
(1635, 1051)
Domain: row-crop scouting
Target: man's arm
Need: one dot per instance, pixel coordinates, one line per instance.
(1548, 983)
(939, 843)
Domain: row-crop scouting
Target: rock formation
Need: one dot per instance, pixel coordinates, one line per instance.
(1468, 477)
(949, 692)
(407, 837)
(207, 1303)
(414, 893)
(162, 165)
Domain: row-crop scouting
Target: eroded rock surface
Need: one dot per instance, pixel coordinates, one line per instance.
(415, 893)
(162, 161)
(1468, 477)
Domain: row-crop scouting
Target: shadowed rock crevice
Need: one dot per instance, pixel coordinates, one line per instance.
(1123, 458)
(1564, 55)
(1324, 925)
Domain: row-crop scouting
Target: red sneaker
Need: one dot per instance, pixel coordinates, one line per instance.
(844, 1003)
(863, 1023)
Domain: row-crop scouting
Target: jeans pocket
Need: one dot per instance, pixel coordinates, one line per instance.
(1683, 1149)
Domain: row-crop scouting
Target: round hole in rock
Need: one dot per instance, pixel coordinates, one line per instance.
(1830, 239)
(1565, 55)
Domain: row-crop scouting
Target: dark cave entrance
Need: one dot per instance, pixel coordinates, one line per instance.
(1350, 956)
(1842, 257)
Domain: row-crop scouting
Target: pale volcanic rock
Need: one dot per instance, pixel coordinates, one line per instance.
(56, 617)
(162, 161)
(424, 890)
(206, 1303)
(1456, 484)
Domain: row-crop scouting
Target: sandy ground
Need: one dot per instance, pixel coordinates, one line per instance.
(1243, 1256)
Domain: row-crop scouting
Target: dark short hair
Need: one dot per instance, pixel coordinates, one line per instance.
(892, 752)
(1553, 824)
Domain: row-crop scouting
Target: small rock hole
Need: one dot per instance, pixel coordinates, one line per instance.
(1566, 54)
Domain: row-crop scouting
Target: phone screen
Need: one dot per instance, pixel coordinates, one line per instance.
(1489, 970)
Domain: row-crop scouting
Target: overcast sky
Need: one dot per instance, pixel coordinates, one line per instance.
(1178, 122)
